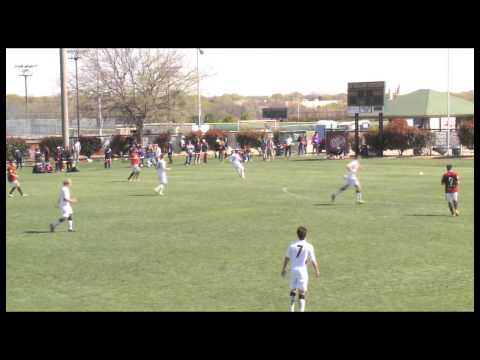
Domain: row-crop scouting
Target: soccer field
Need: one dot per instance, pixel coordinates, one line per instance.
(216, 243)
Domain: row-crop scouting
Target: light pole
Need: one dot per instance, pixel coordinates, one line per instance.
(64, 95)
(448, 101)
(75, 56)
(25, 72)
(199, 51)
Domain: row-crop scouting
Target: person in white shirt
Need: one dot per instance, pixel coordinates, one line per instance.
(162, 174)
(77, 149)
(351, 180)
(64, 203)
(288, 146)
(236, 161)
(299, 253)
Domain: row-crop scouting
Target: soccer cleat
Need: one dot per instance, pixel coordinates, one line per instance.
(24, 195)
(333, 197)
(10, 195)
(360, 202)
(52, 228)
(457, 213)
(70, 230)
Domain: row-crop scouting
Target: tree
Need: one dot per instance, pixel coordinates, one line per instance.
(466, 134)
(141, 85)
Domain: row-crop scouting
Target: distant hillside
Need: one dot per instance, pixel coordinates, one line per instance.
(467, 95)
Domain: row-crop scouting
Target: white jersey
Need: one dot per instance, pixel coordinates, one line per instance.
(236, 160)
(300, 252)
(161, 167)
(64, 197)
(353, 167)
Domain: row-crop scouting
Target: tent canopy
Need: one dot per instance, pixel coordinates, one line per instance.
(427, 103)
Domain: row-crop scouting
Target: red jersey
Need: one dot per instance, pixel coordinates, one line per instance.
(450, 180)
(12, 172)
(135, 160)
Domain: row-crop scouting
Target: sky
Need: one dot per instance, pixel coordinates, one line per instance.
(255, 72)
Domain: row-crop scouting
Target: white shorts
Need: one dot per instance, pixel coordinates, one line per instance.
(66, 211)
(451, 196)
(162, 178)
(238, 167)
(14, 183)
(136, 168)
(299, 279)
(351, 180)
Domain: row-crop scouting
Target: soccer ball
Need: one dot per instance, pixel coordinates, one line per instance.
(420, 173)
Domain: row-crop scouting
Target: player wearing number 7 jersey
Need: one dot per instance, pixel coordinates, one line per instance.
(300, 253)
(451, 180)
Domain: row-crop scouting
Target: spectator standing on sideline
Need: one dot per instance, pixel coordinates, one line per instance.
(108, 158)
(204, 149)
(77, 149)
(288, 146)
(19, 158)
(46, 154)
(198, 150)
(170, 152)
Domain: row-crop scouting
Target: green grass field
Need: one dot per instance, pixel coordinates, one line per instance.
(216, 243)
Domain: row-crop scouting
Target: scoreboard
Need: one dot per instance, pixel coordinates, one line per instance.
(275, 113)
(366, 95)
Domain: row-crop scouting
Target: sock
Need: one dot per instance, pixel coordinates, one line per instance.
(359, 196)
(11, 191)
(20, 191)
(70, 224)
(302, 305)
(161, 188)
(291, 307)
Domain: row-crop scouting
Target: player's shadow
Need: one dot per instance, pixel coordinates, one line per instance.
(315, 159)
(144, 195)
(323, 204)
(36, 232)
(441, 215)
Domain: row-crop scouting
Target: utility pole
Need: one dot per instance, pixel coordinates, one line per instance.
(64, 95)
(199, 51)
(25, 71)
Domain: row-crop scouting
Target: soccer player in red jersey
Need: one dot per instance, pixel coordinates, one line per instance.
(135, 161)
(13, 178)
(451, 180)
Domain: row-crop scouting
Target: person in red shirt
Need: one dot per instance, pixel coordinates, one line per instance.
(451, 180)
(13, 178)
(135, 161)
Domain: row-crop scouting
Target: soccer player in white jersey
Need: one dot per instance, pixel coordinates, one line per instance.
(300, 253)
(64, 203)
(236, 161)
(162, 174)
(351, 180)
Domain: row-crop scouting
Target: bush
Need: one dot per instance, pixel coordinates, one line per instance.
(211, 136)
(466, 134)
(398, 135)
(249, 137)
(13, 144)
(163, 139)
(119, 144)
(373, 141)
(90, 145)
(420, 140)
(51, 142)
